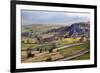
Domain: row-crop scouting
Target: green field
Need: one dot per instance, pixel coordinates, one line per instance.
(71, 50)
(59, 43)
(65, 52)
(83, 57)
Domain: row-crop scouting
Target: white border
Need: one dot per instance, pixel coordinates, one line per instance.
(20, 65)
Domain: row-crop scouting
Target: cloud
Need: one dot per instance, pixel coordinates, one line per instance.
(48, 17)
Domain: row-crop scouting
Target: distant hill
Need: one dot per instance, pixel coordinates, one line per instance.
(76, 29)
(60, 29)
(37, 29)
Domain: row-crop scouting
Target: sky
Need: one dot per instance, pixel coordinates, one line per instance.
(51, 17)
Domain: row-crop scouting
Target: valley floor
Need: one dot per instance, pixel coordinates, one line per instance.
(77, 51)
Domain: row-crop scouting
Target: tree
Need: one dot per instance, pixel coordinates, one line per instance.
(28, 41)
(22, 41)
(53, 46)
(50, 50)
(40, 50)
(82, 38)
(37, 49)
(29, 53)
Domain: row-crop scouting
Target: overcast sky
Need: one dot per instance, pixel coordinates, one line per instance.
(51, 17)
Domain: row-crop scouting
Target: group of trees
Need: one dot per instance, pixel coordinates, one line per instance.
(41, 49)
(46, 47)
(27, 41)
(83, 38)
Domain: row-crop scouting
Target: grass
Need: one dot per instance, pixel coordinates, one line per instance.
(25, 46)
(64, 52)
(83, 57)
(46, 46)
(66, 41)
(68, 51)
(41, 58)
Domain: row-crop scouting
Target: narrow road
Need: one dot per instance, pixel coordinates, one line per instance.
(75, 55)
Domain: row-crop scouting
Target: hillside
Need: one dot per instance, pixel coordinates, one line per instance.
(37, 29)
(76, 29)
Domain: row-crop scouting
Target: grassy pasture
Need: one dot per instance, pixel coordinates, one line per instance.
(69, 51)
(43, 57)
(83, 57)
(65, 52)
(66, 41)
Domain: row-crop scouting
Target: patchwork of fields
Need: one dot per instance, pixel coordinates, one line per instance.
(42, 43)
(60, 54)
